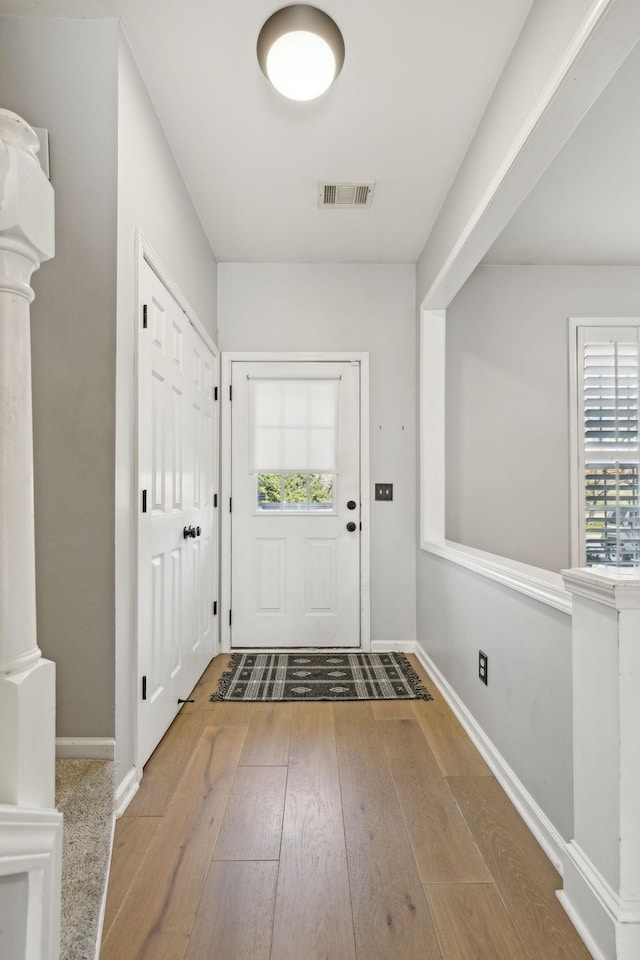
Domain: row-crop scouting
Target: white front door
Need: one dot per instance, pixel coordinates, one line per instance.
(177, 567)
(295, 468)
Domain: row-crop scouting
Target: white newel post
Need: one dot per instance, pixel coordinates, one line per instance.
(30, 828)
(602, 863)
(27, 750)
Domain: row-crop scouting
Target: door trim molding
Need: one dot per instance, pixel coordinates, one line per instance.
(144, 251)
(228, 358)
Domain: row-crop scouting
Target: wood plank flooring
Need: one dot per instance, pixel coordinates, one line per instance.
(347, 831)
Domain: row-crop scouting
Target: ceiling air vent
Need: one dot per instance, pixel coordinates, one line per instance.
(346, 196)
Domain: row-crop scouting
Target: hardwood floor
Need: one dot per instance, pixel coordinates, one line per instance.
(347, 831)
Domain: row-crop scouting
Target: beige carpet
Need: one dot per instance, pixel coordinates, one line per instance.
(84, 794)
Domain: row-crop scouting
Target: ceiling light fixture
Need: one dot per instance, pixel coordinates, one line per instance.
(300, 51)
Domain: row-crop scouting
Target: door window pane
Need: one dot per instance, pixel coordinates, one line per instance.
(295, 493)
(321, 491)
(269, 491)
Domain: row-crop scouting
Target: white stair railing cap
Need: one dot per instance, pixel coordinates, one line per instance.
(26, 196)
(17, 132)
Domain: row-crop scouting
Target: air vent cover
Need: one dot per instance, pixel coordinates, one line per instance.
(346, 196)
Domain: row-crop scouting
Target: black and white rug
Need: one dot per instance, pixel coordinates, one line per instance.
(320, 676)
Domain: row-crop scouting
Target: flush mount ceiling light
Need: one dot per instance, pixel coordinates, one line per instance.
(300, 51)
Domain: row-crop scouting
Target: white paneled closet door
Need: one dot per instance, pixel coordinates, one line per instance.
(177, 568)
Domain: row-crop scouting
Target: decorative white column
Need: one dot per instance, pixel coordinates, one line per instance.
(602, 863)
(27, 681)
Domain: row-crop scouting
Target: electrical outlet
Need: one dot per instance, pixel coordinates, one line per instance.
(384, 491)
(483, 666)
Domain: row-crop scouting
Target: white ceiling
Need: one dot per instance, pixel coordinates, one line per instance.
(585, 210)
(416, 79)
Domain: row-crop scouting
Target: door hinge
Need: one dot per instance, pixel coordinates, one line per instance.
(215, 393)
(229, 504)
(144, 501)
(229, 617)
(214, 606)
(144, 316)
(215, 499)
(144, 688)
(230, 392)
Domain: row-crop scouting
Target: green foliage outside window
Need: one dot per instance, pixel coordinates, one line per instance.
(295, 488)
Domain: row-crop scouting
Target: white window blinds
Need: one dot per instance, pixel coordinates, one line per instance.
(294, 425)
(611, 445)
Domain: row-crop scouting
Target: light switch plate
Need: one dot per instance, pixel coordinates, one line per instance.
(384, 491)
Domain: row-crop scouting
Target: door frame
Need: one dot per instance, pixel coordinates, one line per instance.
(145, 253)
(227, 359)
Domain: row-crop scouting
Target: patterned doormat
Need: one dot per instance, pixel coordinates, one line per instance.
(320, 676)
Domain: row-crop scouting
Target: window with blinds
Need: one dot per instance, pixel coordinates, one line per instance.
(610, 454)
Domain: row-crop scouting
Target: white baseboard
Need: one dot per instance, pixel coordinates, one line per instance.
(126, 791)
(393, 646)
(85, 748)
(608, 923)
(543, 830)
(103, 905)
(579, 924)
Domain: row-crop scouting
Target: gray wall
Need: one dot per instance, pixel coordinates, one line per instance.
(61, 74)
(364, 307)
(507, 403)
(526, 708)
(151, 196)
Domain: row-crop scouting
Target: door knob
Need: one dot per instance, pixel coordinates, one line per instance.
(198, 531)
(351, 504)
(188, 532)
(351, 526)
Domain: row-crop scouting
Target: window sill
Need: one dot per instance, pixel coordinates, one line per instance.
(542, 585)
